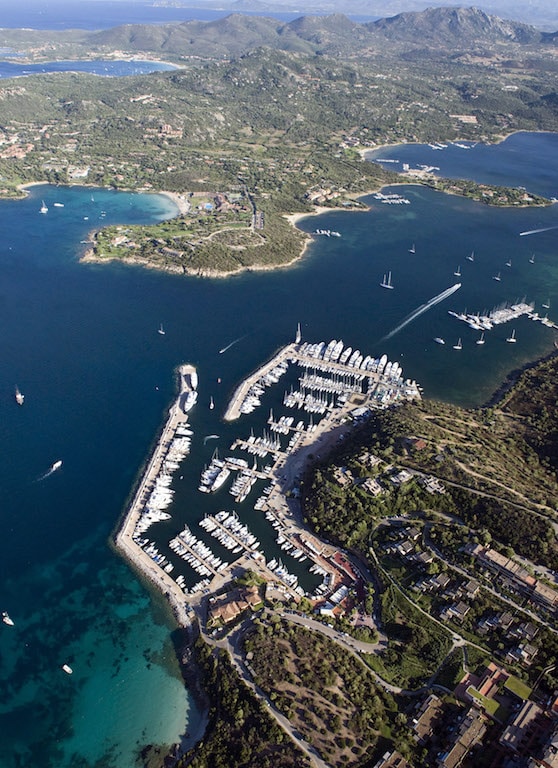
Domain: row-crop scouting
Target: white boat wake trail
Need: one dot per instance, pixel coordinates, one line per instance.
(232, 343)
(54, 468)
(536, 231)
(422, 309)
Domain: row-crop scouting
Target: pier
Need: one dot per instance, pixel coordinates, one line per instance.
(233, 410)
(124, 538)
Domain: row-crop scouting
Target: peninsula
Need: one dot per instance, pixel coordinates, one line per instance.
(255, 126)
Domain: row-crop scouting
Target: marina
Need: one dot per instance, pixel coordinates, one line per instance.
(335, 387)
(502, 314)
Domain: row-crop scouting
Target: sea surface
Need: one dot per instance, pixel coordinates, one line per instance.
(103, 67)
(81, 342)
(103, 14)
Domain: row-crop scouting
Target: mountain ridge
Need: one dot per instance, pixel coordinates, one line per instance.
(434, 28)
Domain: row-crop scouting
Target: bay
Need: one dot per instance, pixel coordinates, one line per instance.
(81, 342)
(104, 14)
(103, 67)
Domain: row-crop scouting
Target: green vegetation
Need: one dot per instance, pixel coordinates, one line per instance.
(517, 686)
(532, 405)
(325, 692)
(240, 731)
(417, 646)
(275, 113)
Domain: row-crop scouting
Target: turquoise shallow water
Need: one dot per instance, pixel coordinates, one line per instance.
(81, 342)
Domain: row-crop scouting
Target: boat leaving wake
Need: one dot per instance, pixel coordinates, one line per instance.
(56, 466)
(232, 343)
(422, 309)
(210, 437)
(536, 231)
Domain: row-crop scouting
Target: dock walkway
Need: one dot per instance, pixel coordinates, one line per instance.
(233, 410)
(123, 540)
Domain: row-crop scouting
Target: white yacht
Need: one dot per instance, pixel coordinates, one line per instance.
(511, 339)
(459, 345)
(480, 340)
(43, 208)
(6, 619)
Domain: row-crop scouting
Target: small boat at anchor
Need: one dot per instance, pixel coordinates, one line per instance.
(6, 619)
(211, 404)
(497, 277)
(459, 345)
(511, 339)
(471, 256)
(19, 397)
(67, 669)
(439, 340)
(457, 272)
(386, 283)
(481, 339)
(43, 208)
(412, 249)
(161, 330)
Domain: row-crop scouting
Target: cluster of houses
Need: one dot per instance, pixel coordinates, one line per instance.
(229, 606)
(390, 478)
(515, 577)
(492, 711)
(453, 597)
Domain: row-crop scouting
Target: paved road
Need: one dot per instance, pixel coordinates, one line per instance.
(430, 544)
(232, 644)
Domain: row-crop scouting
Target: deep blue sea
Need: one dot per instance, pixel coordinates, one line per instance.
(81, 342)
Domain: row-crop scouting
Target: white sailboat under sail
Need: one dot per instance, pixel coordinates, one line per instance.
(43, 208)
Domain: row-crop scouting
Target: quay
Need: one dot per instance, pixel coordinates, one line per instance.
(233, 410)
(124, 540)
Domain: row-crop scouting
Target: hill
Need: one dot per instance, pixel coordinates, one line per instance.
(447, 29)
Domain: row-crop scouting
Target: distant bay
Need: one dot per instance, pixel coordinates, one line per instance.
(93, 14)
(81, 342)
(102, 67)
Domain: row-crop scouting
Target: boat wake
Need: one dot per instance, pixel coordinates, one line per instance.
(210, 437)
(422, 309)
(232, 343)
(536, 231)
(54, 468)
